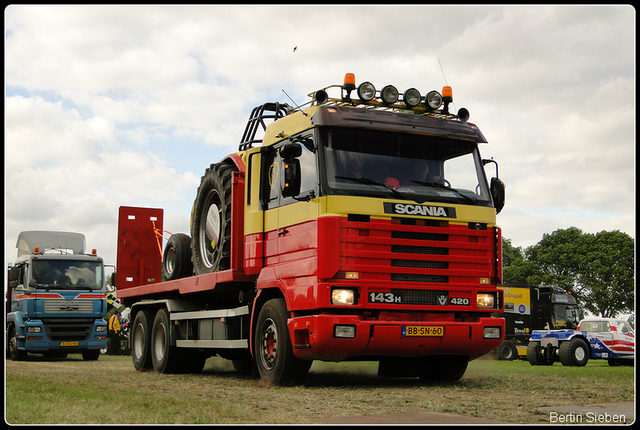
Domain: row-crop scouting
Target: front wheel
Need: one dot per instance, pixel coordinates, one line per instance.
(13, 352)
(574, 352)
(276, 363)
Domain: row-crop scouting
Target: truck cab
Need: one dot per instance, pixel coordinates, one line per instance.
(56, 299)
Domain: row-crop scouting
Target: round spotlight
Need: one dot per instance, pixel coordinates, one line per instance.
(463, 114)
(321, 96)
(389, 94)
(411, 97)
(433, 100)
(366, 91)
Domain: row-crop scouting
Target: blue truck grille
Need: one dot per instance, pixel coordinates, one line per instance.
(63, 329)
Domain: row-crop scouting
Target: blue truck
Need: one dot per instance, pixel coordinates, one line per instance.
(56, 301)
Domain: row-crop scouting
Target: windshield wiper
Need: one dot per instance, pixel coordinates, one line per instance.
(367, 181)
(437, 185)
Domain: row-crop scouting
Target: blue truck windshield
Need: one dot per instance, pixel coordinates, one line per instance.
(66, 274)
(403, 166)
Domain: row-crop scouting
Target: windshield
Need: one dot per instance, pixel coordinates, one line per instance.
(566, 316)
(66, 274)
(403, 166)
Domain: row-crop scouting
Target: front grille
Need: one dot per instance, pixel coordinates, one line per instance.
(408, 277)
(421, 253)
(66, 329)
(421, 297)
(68, 306)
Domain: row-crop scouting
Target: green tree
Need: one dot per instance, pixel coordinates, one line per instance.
(608, 277)
(597, 269)
(515, 268)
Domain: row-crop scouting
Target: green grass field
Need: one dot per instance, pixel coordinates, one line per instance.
(110, 391)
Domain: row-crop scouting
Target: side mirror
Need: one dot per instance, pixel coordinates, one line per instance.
(291, 186)
(498, 194)
(289, 152)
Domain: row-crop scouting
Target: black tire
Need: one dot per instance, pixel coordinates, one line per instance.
(211, 221)
(507, 351)
(276, 363)
(443, 369)
(141, 340)
(574, 352)
(534, 356)
(13, 352)
(164, 357)
(176, 259)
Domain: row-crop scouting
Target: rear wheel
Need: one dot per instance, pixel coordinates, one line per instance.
(507, 351)
(176, 260)
(164, 357)
(211, 221)
(534, 355)
(275, 360)
(574, 352)
(141, 340)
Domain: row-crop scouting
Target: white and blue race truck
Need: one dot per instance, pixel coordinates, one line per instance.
(596, 338)
(56, 300)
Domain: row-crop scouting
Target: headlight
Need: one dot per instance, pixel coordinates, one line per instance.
(389, 94)
(101, 328)
(343, 296)
(34, 329)
(433, 100)
(486, 301)
(491, 333)
(366, 91)
(411, 97)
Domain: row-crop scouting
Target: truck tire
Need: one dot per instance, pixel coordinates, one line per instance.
(164, 357)
(141, 340)
(533, 355)
(211, 221)
(574, 352)
(276, 363)
(13, 352)
(176, 259)
(507, 351)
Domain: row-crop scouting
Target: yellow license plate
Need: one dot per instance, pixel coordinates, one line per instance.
(68, 343)
(422, 330)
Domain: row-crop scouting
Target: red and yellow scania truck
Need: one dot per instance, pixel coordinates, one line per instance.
(349, 228)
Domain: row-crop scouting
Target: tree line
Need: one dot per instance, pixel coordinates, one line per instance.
(598, 269)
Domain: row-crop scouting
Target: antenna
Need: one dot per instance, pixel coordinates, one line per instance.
(445, 79)
(294, 103)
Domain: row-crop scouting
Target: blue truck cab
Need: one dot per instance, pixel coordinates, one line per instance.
(56, 300)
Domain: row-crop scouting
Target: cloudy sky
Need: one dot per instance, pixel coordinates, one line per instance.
(127, 105)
